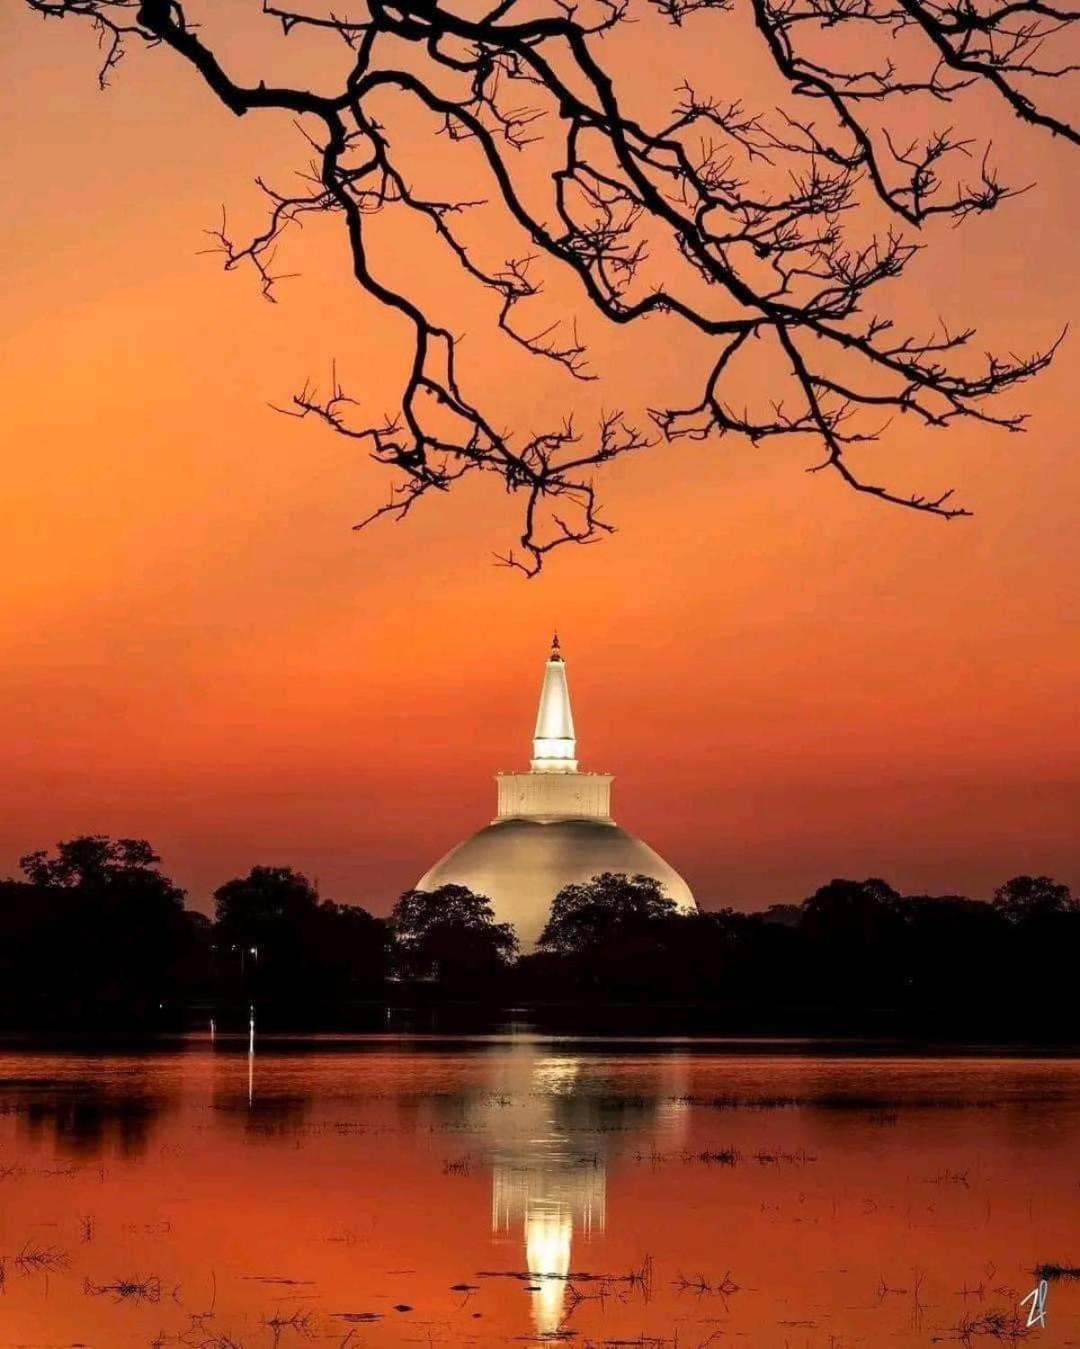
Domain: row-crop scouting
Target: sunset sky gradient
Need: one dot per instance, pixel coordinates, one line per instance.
(789, 682)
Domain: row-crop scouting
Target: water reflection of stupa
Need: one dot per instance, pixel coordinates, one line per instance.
(552, 1143)
(552, 1190)
(552, 1206)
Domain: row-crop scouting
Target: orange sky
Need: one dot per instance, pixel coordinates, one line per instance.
(789, 682)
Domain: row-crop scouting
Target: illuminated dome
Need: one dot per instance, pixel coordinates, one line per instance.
(554, 828)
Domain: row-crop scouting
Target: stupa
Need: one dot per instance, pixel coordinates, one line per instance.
(553, 828)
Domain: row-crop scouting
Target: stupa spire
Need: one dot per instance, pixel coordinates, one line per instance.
(554, 742)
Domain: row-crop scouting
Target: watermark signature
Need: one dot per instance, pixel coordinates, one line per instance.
(1037, 1298)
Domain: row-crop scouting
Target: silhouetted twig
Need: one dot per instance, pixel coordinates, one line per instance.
(123, 1290)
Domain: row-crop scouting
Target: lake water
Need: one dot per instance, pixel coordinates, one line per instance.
(516, 1190)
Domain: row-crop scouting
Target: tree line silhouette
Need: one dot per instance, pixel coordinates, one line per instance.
(95, 936)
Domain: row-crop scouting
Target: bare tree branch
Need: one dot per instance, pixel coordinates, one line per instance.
(765, 215)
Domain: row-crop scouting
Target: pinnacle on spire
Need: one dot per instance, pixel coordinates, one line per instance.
(554, 743)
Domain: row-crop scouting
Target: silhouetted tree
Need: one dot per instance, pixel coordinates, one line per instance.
(849, 907)
(97, 936)
(852, 930)
(278, 944)
(787, 915)
(617, 936)
(262, 909)
(1042, 952)
(450, 935)
(347, 952)
(751, 232)
(953, 952)
(96, 859)
(762, 969)
(195, 959)
(611, 906)
(1027, 897)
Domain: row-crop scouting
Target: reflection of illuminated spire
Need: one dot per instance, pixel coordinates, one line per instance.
(551, 1195)
(548, 1242)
